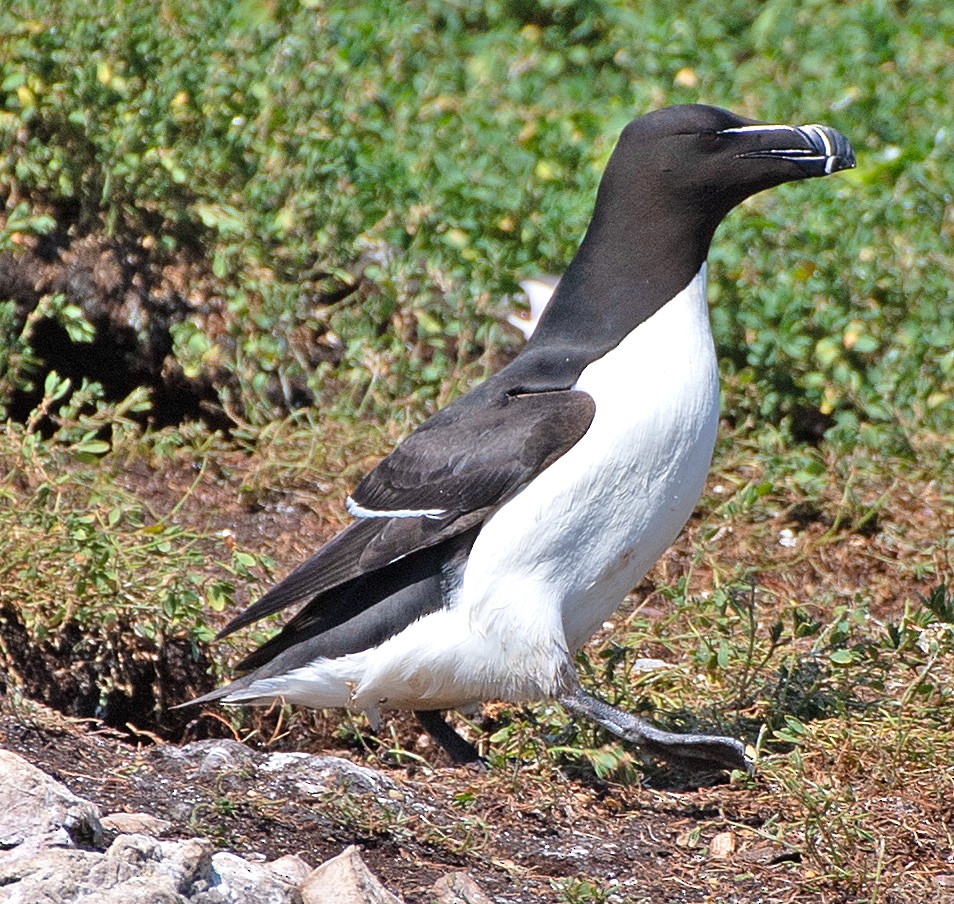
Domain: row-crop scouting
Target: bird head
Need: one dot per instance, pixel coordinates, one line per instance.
(708, 160)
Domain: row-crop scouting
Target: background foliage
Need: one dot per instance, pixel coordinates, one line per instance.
(447, 149)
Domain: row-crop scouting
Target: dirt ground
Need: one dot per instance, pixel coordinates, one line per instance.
(526, 832)
(523, 838)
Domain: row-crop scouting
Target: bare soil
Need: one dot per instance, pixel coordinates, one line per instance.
(518, 835)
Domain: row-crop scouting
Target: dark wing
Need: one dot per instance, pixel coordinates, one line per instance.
(335, 563)
(462, 464)
(362, 547)
(366, 610)
(464, 460)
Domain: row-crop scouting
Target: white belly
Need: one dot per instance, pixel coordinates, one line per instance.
(584, 533)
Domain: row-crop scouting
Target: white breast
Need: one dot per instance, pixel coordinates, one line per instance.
(584, 533)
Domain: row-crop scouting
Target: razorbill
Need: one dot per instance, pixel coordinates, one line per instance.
(500, 535)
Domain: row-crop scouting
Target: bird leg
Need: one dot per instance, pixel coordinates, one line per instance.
(459, 750)
(691, 751)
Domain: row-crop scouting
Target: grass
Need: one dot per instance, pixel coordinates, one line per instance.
(377, 178)
(93, 552)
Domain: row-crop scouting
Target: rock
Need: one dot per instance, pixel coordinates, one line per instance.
(722, 846)
(188, 862)
(291, 868)
(135, 824)
(135, 869)
(37, 812)
(239, 882)
(313, 774)
(303, 774)
(51, 843)
(211, 756)
(51, 876)
(135, 891)
(139, 868)
(650, 665)
(345, 880)
(459, 888)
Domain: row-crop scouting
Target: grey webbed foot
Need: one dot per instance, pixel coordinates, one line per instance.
(697, 752)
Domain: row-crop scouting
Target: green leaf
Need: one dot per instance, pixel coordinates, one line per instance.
(844, 657)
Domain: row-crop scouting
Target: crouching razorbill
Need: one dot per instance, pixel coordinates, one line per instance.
(500, 535)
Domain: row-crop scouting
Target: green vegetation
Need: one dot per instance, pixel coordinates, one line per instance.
(446, 150)
(343, 197)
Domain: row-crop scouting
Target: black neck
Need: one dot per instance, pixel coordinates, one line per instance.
(632, 260)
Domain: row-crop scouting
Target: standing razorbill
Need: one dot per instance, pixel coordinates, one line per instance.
(501, 534)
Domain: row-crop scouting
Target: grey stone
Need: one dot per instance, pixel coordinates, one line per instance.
(650, 665)
(135, 869)
(459, 888)
(37, 812)
(291, 868)
(43, 825)
(345, 880)
(187, 862)
(240, 882)
(313, 774)
(135, 824)
(211, 756)
(52, 876)
(137, 890)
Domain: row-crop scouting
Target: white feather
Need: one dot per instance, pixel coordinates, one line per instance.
(359, 511)
(539, 290)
